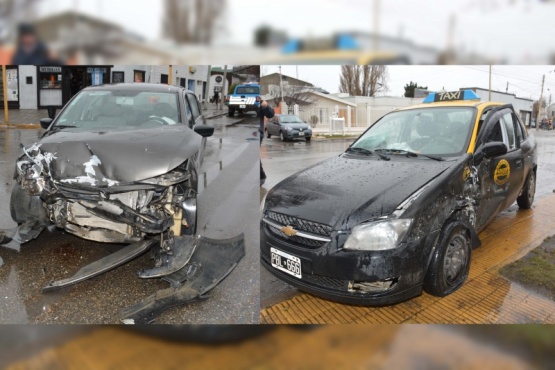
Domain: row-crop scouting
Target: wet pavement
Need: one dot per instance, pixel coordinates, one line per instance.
(485, 298)
(227, 206)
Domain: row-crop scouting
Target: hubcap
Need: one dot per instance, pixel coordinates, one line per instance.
(455, 258)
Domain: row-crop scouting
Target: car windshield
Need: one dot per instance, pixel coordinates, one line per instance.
(437, 131)
(121, 110)
(290, 119)
(247, 90)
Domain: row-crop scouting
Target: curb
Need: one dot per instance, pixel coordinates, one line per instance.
(20, 125)
(215, 116)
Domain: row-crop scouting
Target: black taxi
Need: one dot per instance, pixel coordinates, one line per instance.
(400, 210)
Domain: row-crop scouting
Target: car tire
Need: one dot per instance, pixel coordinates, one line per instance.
(526, 199)
(307, 139)
(281, 136)
(268, 135)
(450, 264)
(231, 112)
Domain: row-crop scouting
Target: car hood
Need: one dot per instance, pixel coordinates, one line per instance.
(122, 156)
(344, 191)
(296, 126)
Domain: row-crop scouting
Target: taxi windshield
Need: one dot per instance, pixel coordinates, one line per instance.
(439, 131)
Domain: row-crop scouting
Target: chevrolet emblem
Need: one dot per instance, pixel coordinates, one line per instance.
(289, 231)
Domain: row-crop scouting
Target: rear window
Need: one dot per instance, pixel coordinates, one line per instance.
(247, 90)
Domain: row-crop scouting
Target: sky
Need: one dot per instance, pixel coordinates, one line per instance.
(524, 81)
(511, 30)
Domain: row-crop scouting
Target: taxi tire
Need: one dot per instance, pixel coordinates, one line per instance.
(525, 201)
(281, 136)
(307, 139)
(435, 281)
(268, 135)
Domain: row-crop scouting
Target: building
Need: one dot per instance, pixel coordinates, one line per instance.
(522, 106)
(37, 87)
(270, 84)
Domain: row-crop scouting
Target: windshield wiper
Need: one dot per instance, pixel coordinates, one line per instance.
(414, 154)
(368, 152)
(60, 127)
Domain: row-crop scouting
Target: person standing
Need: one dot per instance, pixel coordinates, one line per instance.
(264, 111)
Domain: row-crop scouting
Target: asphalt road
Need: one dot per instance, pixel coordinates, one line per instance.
(227, 206)
(283, 159)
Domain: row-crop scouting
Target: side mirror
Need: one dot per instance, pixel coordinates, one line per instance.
(490, 150)
(204, 130)
(45, 122)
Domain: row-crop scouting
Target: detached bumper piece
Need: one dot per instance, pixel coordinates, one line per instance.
(103, 265)
(27, 231)
(212, 262)
(183, 249)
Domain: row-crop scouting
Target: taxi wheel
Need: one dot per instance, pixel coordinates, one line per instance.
(450, 263)
(281, 137)
(268, 135)
(307, 138)
(526, 199)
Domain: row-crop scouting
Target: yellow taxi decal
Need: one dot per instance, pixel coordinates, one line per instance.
(502, 172)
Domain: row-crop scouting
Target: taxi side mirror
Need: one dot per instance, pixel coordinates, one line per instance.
(490, 150)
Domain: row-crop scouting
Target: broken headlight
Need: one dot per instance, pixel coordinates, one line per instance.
(378, 235)
(170, 178)
(30, 177)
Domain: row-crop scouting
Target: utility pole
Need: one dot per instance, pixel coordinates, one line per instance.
(224, 88)
(207, 92)
(170, 75)
(280, 85)
(507, 88)
(5, 93)
(540, 105)
(489, 88)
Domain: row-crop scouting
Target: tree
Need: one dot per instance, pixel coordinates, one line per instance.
(410, 87)
(292, 94)
(535, 106)
(367, 80)
(192, 21)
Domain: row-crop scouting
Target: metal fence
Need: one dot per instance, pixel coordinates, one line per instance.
(334, 120)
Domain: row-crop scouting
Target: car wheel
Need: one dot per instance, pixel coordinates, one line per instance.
(450, 262)
(307, 138)
(231, 112)
(268, 135)
(526, 199)
(281, 137)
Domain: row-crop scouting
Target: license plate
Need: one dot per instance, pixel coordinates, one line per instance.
(301, 133)
(242, 106)
(286, 262)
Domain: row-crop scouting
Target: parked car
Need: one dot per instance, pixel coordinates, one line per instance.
(288, 127)
(400, 210)
(245, 98)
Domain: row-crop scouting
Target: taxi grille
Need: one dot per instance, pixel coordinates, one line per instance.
(300, 224)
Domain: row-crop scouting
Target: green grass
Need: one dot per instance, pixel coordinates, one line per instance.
(536, 270)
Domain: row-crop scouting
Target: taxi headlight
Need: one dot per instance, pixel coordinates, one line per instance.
(377, 235)
(288, 128)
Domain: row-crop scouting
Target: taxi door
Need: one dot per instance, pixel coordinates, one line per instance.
(501, 177)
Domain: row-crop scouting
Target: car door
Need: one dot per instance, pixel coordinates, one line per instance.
(500, 177)
(196, 119)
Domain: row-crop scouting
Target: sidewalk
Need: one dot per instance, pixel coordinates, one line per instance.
(213, 112)
(23, 116)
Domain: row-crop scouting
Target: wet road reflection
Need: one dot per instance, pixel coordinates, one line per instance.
(227, 206)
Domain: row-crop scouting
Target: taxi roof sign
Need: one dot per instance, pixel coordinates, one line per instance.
(451, 95)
